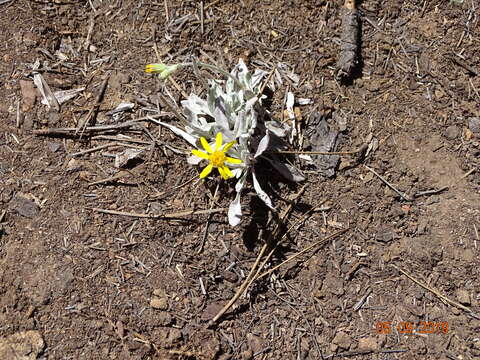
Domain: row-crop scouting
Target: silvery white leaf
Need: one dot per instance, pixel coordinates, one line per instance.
(305, 157)
(235, 208)
(288, 171)
(303, 101)
(289, 105)
(187, 137)
(199, 132)
(190, 115)
(196, 105)
(240, 124)
(220, 118)
(241, 182)
(237, 172)
(235, 211)
(194, 160)
(263, 145)
(261, 194)
(229, 86)
(274, 128)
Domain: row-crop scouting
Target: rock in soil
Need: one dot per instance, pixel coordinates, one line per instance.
(24, 206)
(25, 345)
(29, 94)
(159, 303)
(463, 297)
(452, 132)
(342, 340)
(474, 125)
(368, 343)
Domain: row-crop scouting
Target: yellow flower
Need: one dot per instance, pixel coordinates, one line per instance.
(162, 69)
(217, 158)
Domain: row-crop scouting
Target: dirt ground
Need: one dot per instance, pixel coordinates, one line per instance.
(400, 283)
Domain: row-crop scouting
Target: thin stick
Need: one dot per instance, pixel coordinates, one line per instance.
(364, 352)
(437, 293)
(469, 172)
(207, 224)
(19, 118)
(94, 149)
(117, 176)
(242, 287)
(92, 114)
(268, 257)
(316, 152)
(360, 303)
(211, 4)
(318, 243)
(90, 29)
(126, 124)
(402, 195)
(254, 271)
(161, 216)
(476, 234)
(202, 13)
(265, 83)
(172, 108)
(167, 17)
(430, 192)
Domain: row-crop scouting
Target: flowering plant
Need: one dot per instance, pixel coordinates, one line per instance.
(232, 112)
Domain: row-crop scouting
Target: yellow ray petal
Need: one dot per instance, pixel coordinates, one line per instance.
(200, 154)
(206, 145)
(223, 173)
(233, 160)
(228, 146)
(208, 169)
(227, 171)
(218, 141)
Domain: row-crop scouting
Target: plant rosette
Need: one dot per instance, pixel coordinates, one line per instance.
(233, 115)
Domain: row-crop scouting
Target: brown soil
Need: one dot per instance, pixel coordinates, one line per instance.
(76, 283)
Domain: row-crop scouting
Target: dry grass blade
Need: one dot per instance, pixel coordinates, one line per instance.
(96, 129)
(437, 293)
(255, 270)
(307, 249)
(161, 216)
(92, 113)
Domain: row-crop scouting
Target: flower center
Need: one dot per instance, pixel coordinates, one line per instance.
(217, 158)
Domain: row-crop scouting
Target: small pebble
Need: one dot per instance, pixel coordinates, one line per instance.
(474, 125)
(159, 303)
(342, 340)
(463, 297)
(368, 343)
(452, 132)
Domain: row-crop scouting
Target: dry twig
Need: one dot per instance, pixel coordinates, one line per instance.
(438, 293)
(401, 194)
(92, 114)
(161, 216)
(255, 270)
(349, 40)
(97, 129)
(316, 244)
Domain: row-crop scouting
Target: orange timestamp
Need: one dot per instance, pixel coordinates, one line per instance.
(410, 327)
